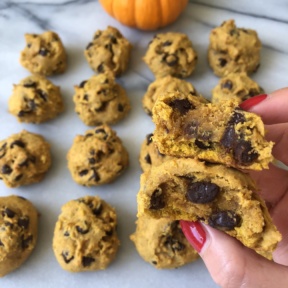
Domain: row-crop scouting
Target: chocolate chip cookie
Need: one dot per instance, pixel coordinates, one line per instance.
(35, 100)
(166, 84)
(108, 51)
(233, 49)
(18, 232)
(24, 159)
(97, 157)
(85, 237)
(162, 243)
(44, 54)
(224, 198)
(238, 85)
(101, 100)
(220, 132)
(171, 54)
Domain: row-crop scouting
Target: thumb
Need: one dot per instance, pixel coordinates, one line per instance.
(229, 262)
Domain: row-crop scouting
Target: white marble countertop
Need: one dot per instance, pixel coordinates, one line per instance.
(76, 21)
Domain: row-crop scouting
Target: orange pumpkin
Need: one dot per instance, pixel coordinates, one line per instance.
(144, 14)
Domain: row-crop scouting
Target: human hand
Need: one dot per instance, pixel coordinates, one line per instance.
(229, 262)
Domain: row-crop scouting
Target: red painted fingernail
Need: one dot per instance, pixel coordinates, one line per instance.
(249, 103)
(194, 233)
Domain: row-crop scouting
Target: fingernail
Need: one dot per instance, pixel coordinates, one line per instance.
(251, 102)
(194, 233)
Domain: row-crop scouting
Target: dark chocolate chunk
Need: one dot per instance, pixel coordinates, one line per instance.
(227, 85)
(18, 177)
(101, 131)
(225, 220)
(95, 176)
(8, 212)
(228, 138)
(182, 105)
(88, 135)
(149, 138)
(83, 172)
(29, 45)
(100, 68)
(157, 200)
(43, 95)
(243, 153)
(174, 244)
(113, 39)
(65, 256)
(66, 234)
(92, 160)
(89, 45)
(167, 43)
(85, 97)
(87, 261)
(82, 231)
(202, 192)
(154, 262)
(25, 242)
(6, 169)
(23, 222)
(203, 145)
(30, 85)
(170, 59)
(109, 232)
(97, 211)
(236, 118)
(222, 62)
(120, 108)
(82, 84)
(148, 159)
(43, 52)
(191, 129)
(18, 143)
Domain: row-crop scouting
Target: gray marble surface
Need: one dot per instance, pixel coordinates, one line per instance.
(76, 21)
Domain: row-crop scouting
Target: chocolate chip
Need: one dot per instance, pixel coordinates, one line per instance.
(32, 105)
(228, 138)
(8, 212)
(202, 192)
(174, 244)
(182, 105)
(243, 153)
(83, 172)
(149, 138)
(203, 145)
(92, 160)
(9, 224)
(65, 256)
(154, 262)
(25, 242)
(102, 107)
(191, 129)
(29, 45)
(82, 84)
(222, 62)
(18, 143)
(148, 159)
(30, 85)
(43, 95)
(89, 45)
(120, 108)
(236, 118)
(100, 68)
(43, 52)
(157, 200)
(95, 176)
(225, 220)
(167, 43)
(1, 243)
(109, 47)
(227, 85)
(6, 169)
(85, 97)
(23, 222)
(101, 131)
(87, 261)
(66, 234)
(234, 32)
(82, 231)
(18, 177)
(97, 211)
(170, 59)
(113, 39)
(109, 232)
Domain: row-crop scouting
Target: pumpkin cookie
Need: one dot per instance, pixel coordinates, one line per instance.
(24, 159)
(224, 198)
(85, 237)
(162, 243)
(166, 84)
(35, 100)
(233, 49)
(237, 85)
(44, 54)
(108, 51)
(101, 100)
(171, 54)
(97, 157)
(18, 232)
(220, 132)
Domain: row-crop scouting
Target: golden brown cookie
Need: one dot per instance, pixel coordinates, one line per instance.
(98, 157)
(171, 54)
(101, 100)
(44, 54)
(220, 132)
(238, 85)
(233, 49)
(224, 198)
(166, 84)
(18, 232)
(162, 243)
(108, 51)
(85, 237)
(24, 159)
(35, 100)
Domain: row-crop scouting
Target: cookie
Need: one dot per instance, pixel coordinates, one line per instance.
(166, 84)
(101, 100)
(171, 54)
(150, 155)
(24, 159)
(108, 51)
(98, 157)
(85, 237)
(238, 85)
(35, 100)
(233, 49)
(18, 232)
(219, 132)
(44, 54)
(224, 198)
(162, 243)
